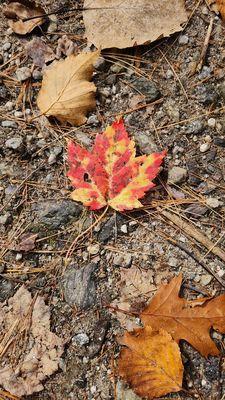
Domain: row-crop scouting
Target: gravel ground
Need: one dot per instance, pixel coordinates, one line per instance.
(34, 192)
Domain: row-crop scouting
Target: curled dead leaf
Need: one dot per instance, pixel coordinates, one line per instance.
(18, 12)
(151, 362)
(26, 242)
(66, 91)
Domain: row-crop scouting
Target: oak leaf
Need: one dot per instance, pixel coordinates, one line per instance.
(66, 91)
(107, 21)
(17, 12)
(112, 174)
(151, 362)
(184, 319)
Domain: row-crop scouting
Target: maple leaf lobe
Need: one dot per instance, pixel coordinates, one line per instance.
(183, 321)
(111, 173)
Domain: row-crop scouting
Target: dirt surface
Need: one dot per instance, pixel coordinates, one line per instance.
(188, 120)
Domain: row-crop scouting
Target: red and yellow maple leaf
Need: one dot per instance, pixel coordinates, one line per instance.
(112, 174)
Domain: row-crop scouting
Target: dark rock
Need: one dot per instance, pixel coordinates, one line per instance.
(196, 210)
(219, 141)
(147, 88)
(6, 289)
(52, 215)
(193, 172)
(79, 286)
(100, 330)
(108, 229)
(211, 155)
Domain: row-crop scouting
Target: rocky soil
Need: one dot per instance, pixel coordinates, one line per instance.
(188, 120)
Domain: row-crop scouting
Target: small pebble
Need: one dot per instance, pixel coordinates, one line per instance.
(5, 218)
(18, 114)
(213, 202)
(204, 147)
(6, 46)
(19, 256)
(177, 175)
(122, 260)
(14, 143)
(93, 249)
(183, 39)
(169, 74)
(81, 339)
(123, 228)
(211, 122)
(37, 75)
(206, 279)
(23, 74)
(9, 124)
(9, 106)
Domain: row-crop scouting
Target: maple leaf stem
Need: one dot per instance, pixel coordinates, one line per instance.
(73, 244)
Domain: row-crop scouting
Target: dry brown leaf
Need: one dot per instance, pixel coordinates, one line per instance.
(135, 290)
(183, 321)
(66, 91)
(151, 362)
(121, 24)
(16, 12)
(26, 338)
(40, 53)
(26, 242)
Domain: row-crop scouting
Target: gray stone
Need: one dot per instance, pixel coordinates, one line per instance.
(122, 260)
(79, 286)
(6, 288)
(81, 339)
(14, 143)
(206, 279)
(177, 175)
(53, 215)
(211, 122)
(53, 154)
(145, 142)
(93, 120)
(11, 189)
(195, 127)
(37, 75)
(9, 124)
(213, 202)
(9, 106)
(100, 64)
(5, 218)
(18, 114)
(93, 249)
(183, 39)
(6, 46)
(23, 74)
(147, 88)
(84, 139)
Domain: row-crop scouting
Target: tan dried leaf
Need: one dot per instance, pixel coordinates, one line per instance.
(121, 24)
(29, 351)
(16, 12)
(135, 290)
(151, 362)
(66, 91)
